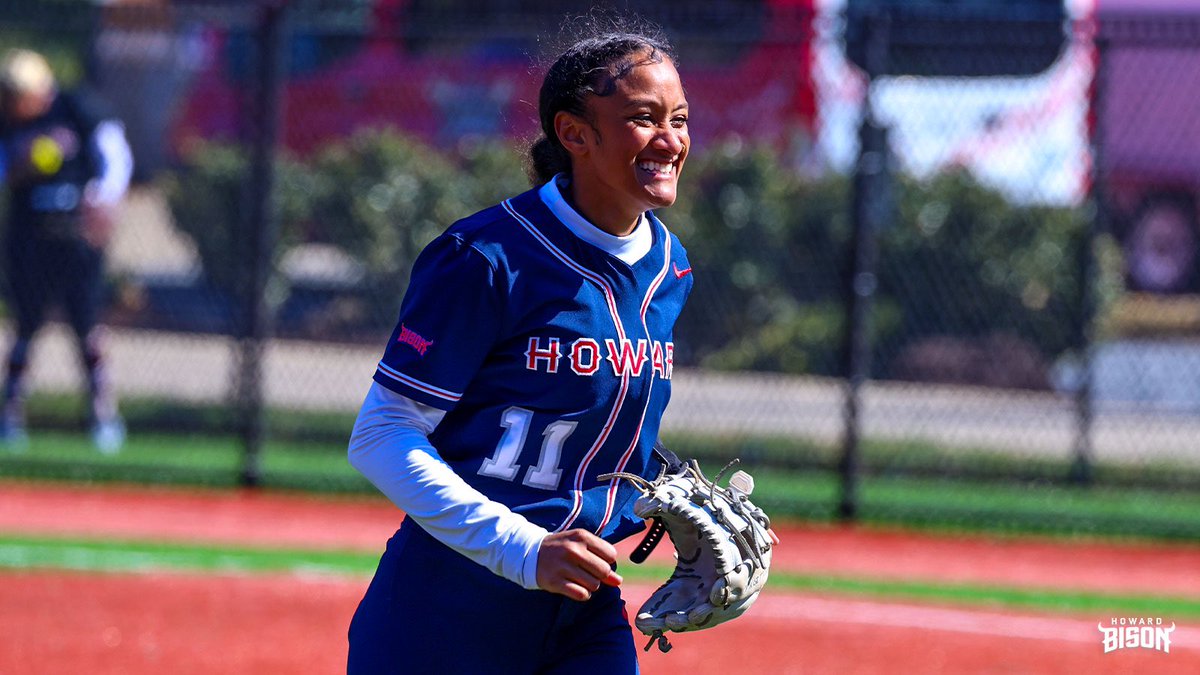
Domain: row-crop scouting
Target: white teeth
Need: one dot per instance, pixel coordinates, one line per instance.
(656, 167)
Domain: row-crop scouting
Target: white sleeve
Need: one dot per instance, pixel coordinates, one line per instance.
(390, 446)
(117, 159)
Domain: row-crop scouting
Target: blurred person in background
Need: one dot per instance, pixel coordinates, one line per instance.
(66, 165)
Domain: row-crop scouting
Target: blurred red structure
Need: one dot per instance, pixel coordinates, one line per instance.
(441, 95)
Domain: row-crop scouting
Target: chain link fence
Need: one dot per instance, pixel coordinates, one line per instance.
(917, 274)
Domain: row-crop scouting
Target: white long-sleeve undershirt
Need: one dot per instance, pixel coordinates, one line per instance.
(117, 166)
(390, 446)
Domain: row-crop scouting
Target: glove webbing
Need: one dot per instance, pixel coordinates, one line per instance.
(734, 500)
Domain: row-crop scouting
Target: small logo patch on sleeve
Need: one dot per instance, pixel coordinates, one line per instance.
(413, 339)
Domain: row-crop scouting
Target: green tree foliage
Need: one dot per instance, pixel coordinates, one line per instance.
(382, 197)
(494, 170)
(961, 260)
(379, 196)
(209, 200)
(769, 246)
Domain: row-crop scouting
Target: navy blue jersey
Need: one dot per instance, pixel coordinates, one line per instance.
(47, 163)
(552, 358)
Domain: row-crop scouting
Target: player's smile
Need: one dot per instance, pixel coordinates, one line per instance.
(658, 170)
(629, 154)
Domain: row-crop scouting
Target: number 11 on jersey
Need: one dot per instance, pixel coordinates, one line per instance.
(503, 462)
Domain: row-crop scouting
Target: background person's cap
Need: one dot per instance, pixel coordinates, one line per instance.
(25, 72)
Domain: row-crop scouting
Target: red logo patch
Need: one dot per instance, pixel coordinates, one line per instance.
(679, 274)
(413, 339)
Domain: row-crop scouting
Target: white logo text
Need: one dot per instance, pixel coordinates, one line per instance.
(1137, 632)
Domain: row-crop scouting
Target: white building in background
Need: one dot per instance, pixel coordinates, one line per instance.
(1026, 136)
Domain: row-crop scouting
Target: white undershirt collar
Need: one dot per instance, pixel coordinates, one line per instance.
(628, 249)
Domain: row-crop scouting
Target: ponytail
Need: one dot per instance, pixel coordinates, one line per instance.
(547, 158)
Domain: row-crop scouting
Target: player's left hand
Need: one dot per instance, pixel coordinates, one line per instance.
(97, 223)
(575, 563)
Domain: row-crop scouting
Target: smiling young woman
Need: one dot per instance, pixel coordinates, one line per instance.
(628, 151)
(533, 353)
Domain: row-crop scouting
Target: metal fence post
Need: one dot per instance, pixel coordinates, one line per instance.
(264, 122)
(869, 201)
(1081, 466)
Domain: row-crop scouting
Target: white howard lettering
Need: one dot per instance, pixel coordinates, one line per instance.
(627, 357)
(624, 360)
(536, 354)
(585, 356)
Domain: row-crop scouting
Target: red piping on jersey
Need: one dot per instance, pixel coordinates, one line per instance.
(585, 272)
(400, 377)
(611, 499)
(577, 493)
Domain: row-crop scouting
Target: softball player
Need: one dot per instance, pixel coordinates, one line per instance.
(533, 353)
(66, 165)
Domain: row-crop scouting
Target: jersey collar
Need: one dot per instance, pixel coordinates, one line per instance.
(628, 249)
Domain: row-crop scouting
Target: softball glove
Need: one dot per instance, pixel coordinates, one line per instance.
(722, 549)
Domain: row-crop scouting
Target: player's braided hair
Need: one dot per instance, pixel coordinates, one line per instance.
(591, 65)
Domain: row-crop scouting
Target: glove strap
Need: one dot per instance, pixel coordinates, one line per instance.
(663, 645)
(671, 462)
(653, 536)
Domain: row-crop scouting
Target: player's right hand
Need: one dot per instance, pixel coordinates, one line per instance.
(575, 563)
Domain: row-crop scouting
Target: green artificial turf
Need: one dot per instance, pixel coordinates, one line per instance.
(23, 553)
(786, 493)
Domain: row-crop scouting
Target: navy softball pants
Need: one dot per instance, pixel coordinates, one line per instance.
(42, 271)
(431, 610)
